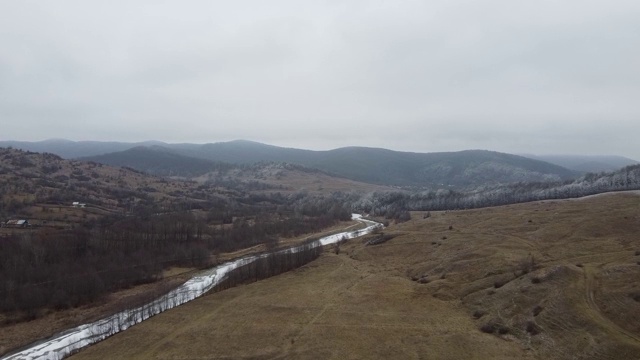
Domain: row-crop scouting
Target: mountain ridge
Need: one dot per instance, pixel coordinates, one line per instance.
(371, 165)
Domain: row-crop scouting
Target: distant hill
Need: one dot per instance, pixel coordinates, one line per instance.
(160, 161)
(29, 178)
(382, 166)
(586, 164)
(75, 149)
(370, 165)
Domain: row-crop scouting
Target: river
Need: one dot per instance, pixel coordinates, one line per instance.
(72, 340)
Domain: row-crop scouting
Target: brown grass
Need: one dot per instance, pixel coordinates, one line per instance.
(364, 304)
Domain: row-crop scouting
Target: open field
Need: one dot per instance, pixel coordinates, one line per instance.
(544, 280)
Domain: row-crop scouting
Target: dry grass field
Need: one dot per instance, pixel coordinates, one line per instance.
(544, 280)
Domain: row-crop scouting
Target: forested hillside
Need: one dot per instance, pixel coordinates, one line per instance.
(370, 165)
(160, 161)
(130, 227)
(394, 204)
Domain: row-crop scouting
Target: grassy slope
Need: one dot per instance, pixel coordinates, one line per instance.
(362, 303)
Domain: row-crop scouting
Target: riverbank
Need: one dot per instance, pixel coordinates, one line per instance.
(68, 341)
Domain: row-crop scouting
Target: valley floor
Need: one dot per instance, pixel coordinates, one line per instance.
(14, 335)
(544, 280)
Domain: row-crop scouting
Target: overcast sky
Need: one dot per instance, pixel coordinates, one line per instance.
(543, 76)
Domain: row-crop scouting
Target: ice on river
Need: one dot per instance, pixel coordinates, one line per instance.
(70, 341)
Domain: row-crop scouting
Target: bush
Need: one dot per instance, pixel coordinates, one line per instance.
(532, 328)
(381, 238)
(488, 328)
(494, 326)
(537, 310)
(478, 314)
(403, 217)
(498, 284)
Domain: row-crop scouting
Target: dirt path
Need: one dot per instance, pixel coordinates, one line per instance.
(591, 286)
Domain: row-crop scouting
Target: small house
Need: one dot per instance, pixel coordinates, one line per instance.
(17, 223)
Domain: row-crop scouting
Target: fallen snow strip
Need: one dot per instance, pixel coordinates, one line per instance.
(72, 340)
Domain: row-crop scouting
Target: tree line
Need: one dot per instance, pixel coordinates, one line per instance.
(394, 205)
(59, 269)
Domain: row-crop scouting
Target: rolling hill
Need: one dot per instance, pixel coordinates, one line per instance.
(75, 149)
(159, 161)
(370, 165)
(582, 163)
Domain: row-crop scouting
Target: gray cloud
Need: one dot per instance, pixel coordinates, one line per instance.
(536, 77)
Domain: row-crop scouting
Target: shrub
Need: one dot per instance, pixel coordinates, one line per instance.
(494, 326)
(488, 328)
(537, 310)
(532, 328)
(478, 314)
(403, 217)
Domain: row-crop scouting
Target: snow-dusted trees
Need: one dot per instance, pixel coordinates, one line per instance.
(390, 204)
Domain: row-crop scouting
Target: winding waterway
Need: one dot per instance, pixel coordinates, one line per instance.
(69, 341)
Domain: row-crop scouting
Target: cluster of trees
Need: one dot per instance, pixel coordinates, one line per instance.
(271, 264)
(67, 268)
(394, 204)
(61, 269)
